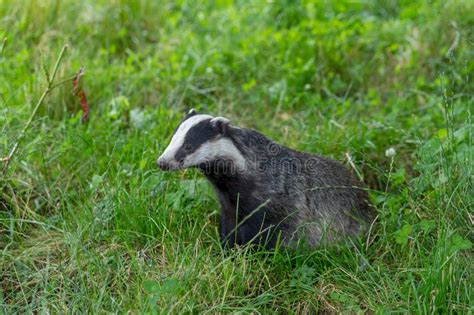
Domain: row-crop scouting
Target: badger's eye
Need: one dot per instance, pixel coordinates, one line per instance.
(188, 147)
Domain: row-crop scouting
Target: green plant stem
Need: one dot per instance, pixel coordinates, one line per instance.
(64, 81)
(56, 66)
(48, 89)
(2, 45)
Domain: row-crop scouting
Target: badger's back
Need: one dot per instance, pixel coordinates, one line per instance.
(306, 197)
(333, 203)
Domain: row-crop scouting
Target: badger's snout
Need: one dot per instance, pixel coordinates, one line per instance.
(163, 165)
(168, 165)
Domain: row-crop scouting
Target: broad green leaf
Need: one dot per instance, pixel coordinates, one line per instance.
(401, 236)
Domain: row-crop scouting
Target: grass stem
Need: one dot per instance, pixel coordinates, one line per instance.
(48, 89)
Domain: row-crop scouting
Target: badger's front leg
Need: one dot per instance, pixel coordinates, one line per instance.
(228, 232)
(232, 231)
(227, 224)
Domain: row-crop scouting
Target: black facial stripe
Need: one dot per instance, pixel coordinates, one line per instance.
(196, 136)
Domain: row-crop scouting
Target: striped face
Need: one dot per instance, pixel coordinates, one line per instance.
(199, 139)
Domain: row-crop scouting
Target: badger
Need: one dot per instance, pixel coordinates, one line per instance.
(269, 194)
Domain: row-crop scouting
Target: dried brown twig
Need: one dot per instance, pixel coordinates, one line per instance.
(79, 92)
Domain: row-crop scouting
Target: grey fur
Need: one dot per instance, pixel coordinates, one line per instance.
(284, 196)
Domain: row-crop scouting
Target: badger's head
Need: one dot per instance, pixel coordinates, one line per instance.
(197, 141)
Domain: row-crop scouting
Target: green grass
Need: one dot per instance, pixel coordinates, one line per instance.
(88, 223)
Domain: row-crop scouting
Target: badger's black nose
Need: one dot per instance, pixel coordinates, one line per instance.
(163, 165)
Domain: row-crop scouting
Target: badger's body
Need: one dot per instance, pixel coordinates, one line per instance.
(269, 194)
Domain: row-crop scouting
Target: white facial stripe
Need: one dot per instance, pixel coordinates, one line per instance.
(178, 138)
(209, 151)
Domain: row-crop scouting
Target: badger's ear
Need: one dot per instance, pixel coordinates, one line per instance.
(191, 113)
(220, 124)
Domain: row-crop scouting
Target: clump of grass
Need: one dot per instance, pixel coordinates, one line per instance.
(87, 223)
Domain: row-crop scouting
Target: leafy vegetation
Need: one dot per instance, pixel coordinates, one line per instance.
(88, 223)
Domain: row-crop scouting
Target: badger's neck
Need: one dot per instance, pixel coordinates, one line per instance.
(243, 152)
(236, 176)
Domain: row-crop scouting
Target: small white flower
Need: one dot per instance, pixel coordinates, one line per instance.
(137, 117)
(390, 152)
(307, 86)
